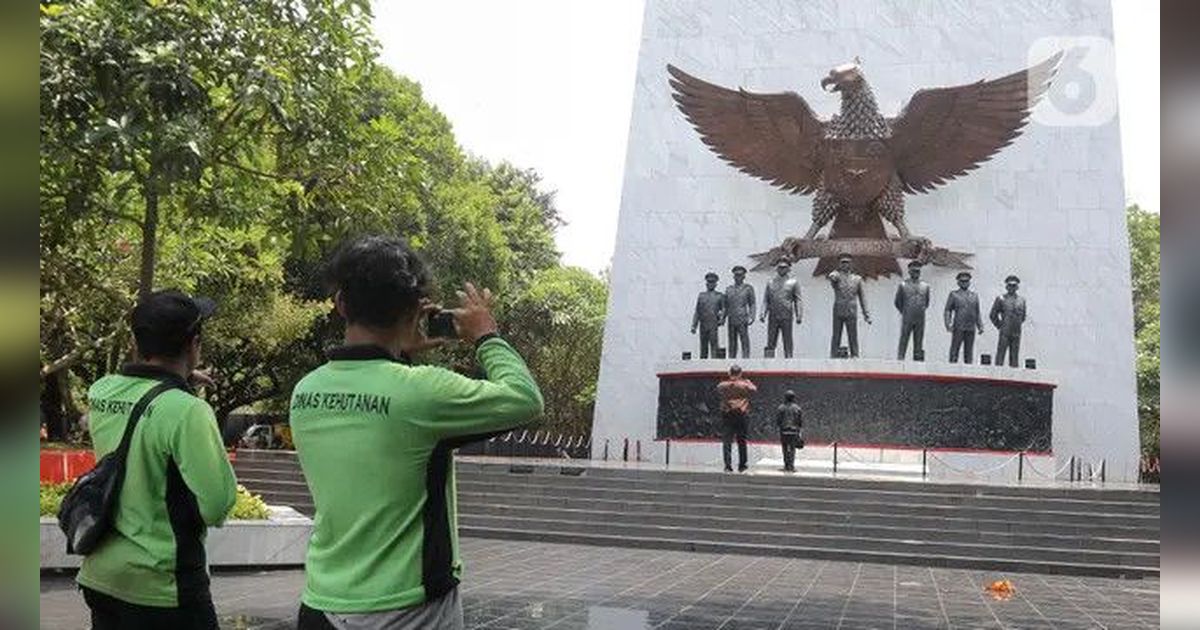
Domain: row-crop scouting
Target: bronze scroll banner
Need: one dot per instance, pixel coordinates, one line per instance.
(919, 249)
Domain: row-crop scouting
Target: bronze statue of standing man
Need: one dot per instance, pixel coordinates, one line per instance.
(1008, 313)
(739, 313)
(962, 319)
(781, 301)
(708, 316)
(912, 298)
(847, 296)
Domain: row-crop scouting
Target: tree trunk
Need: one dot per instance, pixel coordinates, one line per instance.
(149, 239)
(53, 413)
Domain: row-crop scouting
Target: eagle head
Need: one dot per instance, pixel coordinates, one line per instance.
(844, 78)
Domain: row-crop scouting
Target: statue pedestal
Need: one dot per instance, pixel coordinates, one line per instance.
(870, 403)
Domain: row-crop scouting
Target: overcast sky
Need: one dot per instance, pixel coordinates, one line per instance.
(548, 84)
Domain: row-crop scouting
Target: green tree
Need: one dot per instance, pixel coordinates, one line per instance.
(1144, 238)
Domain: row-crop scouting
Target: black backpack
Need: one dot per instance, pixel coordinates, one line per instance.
(86, 513)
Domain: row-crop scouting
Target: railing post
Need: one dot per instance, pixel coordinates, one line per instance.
(1072, 476)
(835, 457)
(924, 461)
(605, 449)
(625, 451)
(668, 451)
(1103, 469)
(639, 450)
(1021, 466)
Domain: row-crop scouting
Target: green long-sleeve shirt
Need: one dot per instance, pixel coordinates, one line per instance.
(177, 481)
(374, 437)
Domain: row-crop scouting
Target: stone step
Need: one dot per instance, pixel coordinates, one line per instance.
(916, 547)
(947, 532)
(812, 552)
(885, 495)
(1029, 513)
(787, 516)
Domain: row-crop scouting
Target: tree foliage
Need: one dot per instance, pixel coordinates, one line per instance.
(225, 148)
(1144, 237)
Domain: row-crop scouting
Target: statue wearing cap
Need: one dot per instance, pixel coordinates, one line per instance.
(709, 316)
(847, 296)
(962, 319)
(912, 299)
(1007, 315)
(781, 301)
(739, 311)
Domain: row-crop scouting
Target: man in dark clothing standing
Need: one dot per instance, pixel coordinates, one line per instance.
(787, 418)
(962, 319)
(709, 316)
(1007, 315)
(735, 407)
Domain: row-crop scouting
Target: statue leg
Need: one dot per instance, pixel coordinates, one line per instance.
(1014, 349)
(786, 329)
(714, 342)
(1001, 346)
(956, 339)
(824, 208)
(744, 333)
(890, 206)
(968, 346)
(733, 340)
(835, 341)
(852, 334)
(905, 330)
(919, 338)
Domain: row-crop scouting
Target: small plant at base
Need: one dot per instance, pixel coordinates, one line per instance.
(248, 507)
(50, 496)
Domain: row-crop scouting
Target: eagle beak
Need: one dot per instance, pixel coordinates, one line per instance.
(826, 82)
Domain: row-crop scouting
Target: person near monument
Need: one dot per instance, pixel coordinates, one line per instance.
(962, 319)
(847, 296)
(709, 316)
(788, 420)
(739, 313)
(1007, 315)
(375, 435)
(912, 299)
(735, 394)
(781, 302)
(150, 571)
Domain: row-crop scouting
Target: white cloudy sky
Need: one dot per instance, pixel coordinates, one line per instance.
(548, 84)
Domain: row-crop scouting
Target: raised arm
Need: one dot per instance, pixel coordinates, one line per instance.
(198, 452)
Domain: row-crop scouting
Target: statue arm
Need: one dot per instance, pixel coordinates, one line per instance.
(949, 313)
(862, 300)
(722, 310)
(763, 315)
(978, 319)
(799, 303)
(899, 301)
(753, 306)
(997, 313)
(696, 315)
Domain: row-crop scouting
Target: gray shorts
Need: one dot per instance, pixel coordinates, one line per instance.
(445, 613)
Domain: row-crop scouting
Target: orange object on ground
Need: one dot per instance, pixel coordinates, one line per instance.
(1000, 589)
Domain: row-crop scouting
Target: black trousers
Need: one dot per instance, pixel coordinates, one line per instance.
(709, 342)
(851, 325)
(966, 340)
(111, 613)
(1009, 344)
(777, 326)
(739, 332)
(788, 441)
(734, 428)
(915, 329)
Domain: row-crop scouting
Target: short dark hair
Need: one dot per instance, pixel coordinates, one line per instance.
(381, 280)
(789, 395)
(165, 322)
(734, 370)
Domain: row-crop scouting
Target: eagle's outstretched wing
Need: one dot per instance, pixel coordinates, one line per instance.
(775, 137)
(944, 132)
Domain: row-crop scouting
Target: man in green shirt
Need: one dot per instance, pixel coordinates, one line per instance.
(375, 436)
(150, 571)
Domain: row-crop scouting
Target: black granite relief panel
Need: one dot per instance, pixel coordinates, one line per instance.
(913, 410)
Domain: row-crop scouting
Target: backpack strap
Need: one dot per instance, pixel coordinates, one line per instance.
(134, 416)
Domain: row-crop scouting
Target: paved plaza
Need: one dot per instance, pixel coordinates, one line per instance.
(516, 585)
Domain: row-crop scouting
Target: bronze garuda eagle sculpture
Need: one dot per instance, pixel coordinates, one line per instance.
(859, 164)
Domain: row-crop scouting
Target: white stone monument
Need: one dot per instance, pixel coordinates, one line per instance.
(1049, 208)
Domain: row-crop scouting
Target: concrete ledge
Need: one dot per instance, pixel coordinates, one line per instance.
(279, 541)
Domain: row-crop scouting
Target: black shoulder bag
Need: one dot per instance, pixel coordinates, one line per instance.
(87, 510)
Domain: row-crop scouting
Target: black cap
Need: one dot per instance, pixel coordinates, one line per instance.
(170, 315)
(963, 274)
(914, 263)
(738, 268)
(710, 274)
(1012, 279)
(783, 260)
(845, 256)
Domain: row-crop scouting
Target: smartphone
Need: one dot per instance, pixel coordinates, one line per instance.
(440, 325)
